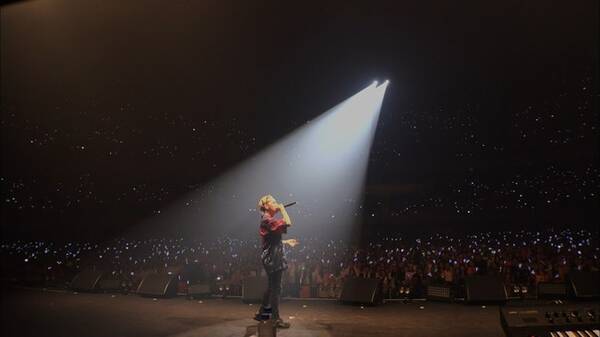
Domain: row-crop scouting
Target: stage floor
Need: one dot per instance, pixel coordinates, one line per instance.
(32, 312)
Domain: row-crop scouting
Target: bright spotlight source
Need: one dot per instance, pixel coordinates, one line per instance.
(384, 84)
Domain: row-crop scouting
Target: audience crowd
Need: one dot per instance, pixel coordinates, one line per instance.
(317, 267)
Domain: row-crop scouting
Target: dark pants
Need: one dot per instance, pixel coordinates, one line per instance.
(271, 296)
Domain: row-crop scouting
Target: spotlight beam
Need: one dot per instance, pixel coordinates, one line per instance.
(322, 165)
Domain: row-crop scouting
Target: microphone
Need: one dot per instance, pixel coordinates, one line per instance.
(290, 204)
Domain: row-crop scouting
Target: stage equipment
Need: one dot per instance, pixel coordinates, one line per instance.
(199, 290)
(552, 290)
(553, 320)
(109, 285)
(361, 291)
(290, 204)
(86, 280)
(485, 288)
(585, 284)
(439, 293)
(253, 289)
(157, 285)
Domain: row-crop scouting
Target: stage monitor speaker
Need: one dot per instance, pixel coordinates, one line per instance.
(485, 289)
(552, 290)
(585, 284)
(199, 290)
(253, 289)
(87, 280)
(361, 291)
(109, 284)
(158, 285)
(439, 293)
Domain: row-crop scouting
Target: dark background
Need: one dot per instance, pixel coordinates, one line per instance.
(112, 110)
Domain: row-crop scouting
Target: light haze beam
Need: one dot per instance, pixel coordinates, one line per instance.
(321, 165)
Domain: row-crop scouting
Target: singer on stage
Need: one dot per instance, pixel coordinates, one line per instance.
(272, 256)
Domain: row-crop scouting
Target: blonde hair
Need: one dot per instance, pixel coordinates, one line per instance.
(265, 200)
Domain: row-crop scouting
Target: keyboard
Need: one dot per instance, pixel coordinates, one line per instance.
(575, 320)
(575, 333)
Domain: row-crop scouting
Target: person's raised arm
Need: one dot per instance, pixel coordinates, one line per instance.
(285, 215)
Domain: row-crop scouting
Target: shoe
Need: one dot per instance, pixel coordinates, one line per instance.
(261, 317)
(264, 316)
(279, 323)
